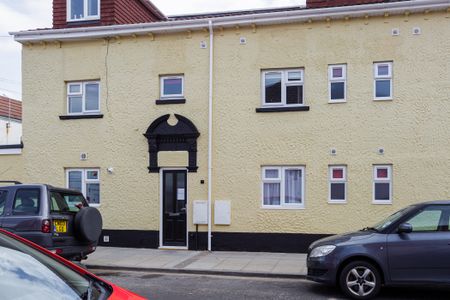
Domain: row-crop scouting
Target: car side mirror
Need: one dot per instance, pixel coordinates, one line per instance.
(405, 228)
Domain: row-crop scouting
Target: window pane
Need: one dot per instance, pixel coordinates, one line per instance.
(93, 8)
(338, 173)
(2, 201)
(382, 191)
(92, 175)
(26, 202)
(75, 88)
(77, 9)
(92, 95)
(337, 191)
(294, 76)
(271, 194)
(271, 173)
(172, 86)
(294, 94)
(337, 72)
(273, 87)
(75, 180)
(383, 70)
(427, 220)
(337, 91)
(168, 193)
(382, 173)
(75, 104)
(383, 88)
(93, 193)
(293, 186)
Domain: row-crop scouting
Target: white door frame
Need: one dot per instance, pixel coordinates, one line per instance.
(161, 212)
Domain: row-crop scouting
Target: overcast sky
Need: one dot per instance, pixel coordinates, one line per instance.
(18, 15)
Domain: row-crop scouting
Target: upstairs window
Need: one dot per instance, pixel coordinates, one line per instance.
(172, 87)
(79, 10)
(337, 76)
(383, 81)
(83, 97)
(282, 87)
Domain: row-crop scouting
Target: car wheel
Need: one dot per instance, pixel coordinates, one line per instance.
(360, 280)
(88, 224)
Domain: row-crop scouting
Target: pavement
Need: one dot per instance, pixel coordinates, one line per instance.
(258, 264)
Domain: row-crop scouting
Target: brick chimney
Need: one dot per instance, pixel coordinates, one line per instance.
(82, 13)
(333, 3)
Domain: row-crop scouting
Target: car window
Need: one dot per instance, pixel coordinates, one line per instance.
(2, 201)
(431, 218)
(30, 274)
(65, 202)
(26, 202)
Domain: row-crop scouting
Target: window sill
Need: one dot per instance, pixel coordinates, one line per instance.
(382, 202)
(281, 109)
(283, 207)
(383, 99)
(84, 21)
(337, 202)
(96, 205)
(336, 101)
(76, 117)
(170, 101)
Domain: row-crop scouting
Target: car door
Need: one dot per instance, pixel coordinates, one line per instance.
(422, 255)
(3, 195)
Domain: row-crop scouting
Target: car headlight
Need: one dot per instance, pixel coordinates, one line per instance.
(322, 251)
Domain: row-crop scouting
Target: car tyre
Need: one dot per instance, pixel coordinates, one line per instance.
(88, 224)
(360, 280)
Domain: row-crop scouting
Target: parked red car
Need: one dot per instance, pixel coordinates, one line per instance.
(29, 271)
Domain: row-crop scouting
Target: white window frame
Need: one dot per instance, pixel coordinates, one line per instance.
(332, 79)
(382, 77)
(82, 93)
(280, 180)
(284, 84)
(85, 12)
(85, 181)
(332, 180)
(382, 180)
(171, 96)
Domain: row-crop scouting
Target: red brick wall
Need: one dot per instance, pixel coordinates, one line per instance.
(332, 3)
(112, 12)
(15, 111)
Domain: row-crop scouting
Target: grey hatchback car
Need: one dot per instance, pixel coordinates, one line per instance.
(412, 246)
(54, 218)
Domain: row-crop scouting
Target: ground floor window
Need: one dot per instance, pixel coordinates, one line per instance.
(382, 184)
(338, 184)
(86, 181)
(283, 187)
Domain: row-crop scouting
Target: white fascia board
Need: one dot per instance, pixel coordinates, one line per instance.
(85, 33)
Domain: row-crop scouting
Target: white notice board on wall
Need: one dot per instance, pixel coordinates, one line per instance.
(222, 212)
(200, 215)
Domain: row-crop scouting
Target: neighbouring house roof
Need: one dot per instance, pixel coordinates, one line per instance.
(10, 108)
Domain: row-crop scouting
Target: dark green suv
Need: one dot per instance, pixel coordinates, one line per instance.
(55, 218)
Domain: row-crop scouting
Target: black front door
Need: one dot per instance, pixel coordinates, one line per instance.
(174, 208)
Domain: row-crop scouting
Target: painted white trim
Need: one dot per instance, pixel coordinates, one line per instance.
(382, 180)
(319, 14)
(85, 181)
(332, 80)
(377, 77)
(172, 96)
(82, 93)
(332, 180)
(161, 208)
(85, 12)
(11, 151)
(210, 129)
(284, 84)
(281, 181)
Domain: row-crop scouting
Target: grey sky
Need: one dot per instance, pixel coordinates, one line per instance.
(30, 14)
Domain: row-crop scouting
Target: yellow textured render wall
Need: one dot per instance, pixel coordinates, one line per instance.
(11, 167)
(413, 128)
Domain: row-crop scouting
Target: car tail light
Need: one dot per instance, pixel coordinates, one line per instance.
(45, 226)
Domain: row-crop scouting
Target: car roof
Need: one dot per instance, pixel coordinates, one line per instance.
(39, 185)
(439, 202)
